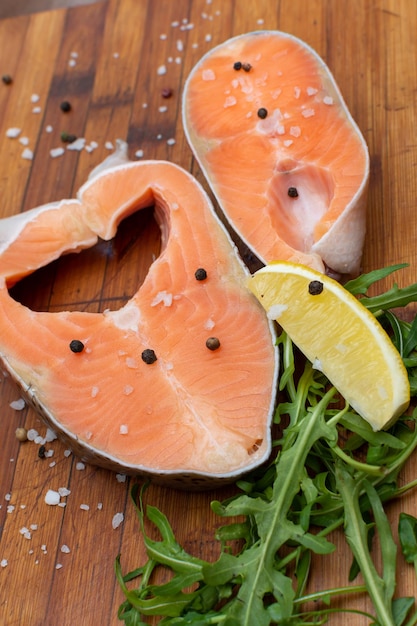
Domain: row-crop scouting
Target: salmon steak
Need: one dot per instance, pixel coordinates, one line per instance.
(280, 150)
(178, 384)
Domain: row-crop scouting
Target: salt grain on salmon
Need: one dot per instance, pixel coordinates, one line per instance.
(208, 74)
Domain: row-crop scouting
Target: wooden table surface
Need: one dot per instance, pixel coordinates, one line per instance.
(103, 58)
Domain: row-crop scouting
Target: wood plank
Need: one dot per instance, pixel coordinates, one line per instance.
(115, 91)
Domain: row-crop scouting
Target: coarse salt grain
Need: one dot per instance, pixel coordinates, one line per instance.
(108, 145)
(13, 132)
(52, 497)
(328, 100)
(94, 391)
(49, 128)
(10, 508)
(297, 92)
(67, 453)
(63, 492)
(65, 549)
(131, 362)
(162, 297)
(80, 466)
(78, 144)
(84, 507)
(208, 74)
(24, 141)
(27, 154)
(8, 497)
(229, 102)
(308, 113)
(18, 405)
(32, 434)
(123, 429)
(180, 45)
(117, 520)
(139, 154)
(121, 478)
(311, 91)
(171, 141)
(25, 532)
(295, 131)
(163, 109)
(207, 38)
(36, 110)
(209, 324)
(99, 506)
(34, 98)
(163, 36)
(161, 70)
(56, 152)
(50, 435)
(58, 566)
(4, 563)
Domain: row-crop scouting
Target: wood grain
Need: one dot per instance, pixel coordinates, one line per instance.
(115, 91)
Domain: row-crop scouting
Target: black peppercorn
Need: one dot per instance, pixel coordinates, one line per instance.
(262, 113)
(292, 192)
(68, 138)
(237, 66)
(315, 287)
(200, 274)
(7, 79)
(76, 345)
(149, 356)
(65, 106)
(213, 343)
(246, 67)
(41, 452)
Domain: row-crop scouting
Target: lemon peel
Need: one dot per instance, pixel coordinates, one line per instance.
(339, 336)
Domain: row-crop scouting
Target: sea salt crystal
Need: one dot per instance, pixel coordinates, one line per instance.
(163, 109)
(99, 506)
(80, 466)
(117, 520)
(121, 478)
(52, 497)
(4, 563)
(72, 62)
(139, 154)
(27, 154)
(308, 113)
(32, 434)
(311, 91)
(63, 492)
(35, 97)
(94, 391)
(65, 549)
(229, 102)
(108, 145)
(49, 128)
(328, 100)
(280, 128)
(161, 70)
(58, 566)
(18, 405)
(50, 435)
(8, 497)
(163, 36)
(25, 532)
(123, 429)
(56, 152)
(171, 141)
(78, 144)
(208, 74)
(207, 38)
(84, 507)
(36, 110)
(13, 132)
(24, 141)
(162, 297)
(131, 363)
(295, 131)
(10, 508)
(67, 453)
(276, 310)
(180, 45)
(209, 324)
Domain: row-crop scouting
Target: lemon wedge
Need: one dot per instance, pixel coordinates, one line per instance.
(339, 336)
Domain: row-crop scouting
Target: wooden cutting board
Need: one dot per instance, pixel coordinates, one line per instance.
(104, 60)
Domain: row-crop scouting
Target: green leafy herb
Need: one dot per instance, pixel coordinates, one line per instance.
(331, 471)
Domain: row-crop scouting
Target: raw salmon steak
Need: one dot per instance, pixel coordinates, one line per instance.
(140, 391)
(280, 150)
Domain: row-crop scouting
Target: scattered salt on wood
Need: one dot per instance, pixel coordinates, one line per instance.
(56, 152)
(171, 141)
(80, 466)
(65, 549)
(8, 497)
(18, 405)
(52, 497)
(36, 110)
(78, 144)
(58, 566)
(117, 520)
(27, 154)
(32, 434)
(67, 453)
(49, 128)
(163, 109)
(161, 70)
(84, 507)
(24, 141)
(4, 563)
(34, 97)
(13, 132)
(121, 478)
(63, 492)
(139, 153)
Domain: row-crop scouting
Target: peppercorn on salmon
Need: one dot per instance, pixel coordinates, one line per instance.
(180, 382)
(280, 150)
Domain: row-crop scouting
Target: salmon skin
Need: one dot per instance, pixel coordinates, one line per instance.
(275, 140)
(145, 395)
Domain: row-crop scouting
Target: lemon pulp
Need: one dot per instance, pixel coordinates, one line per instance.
(339, 336)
